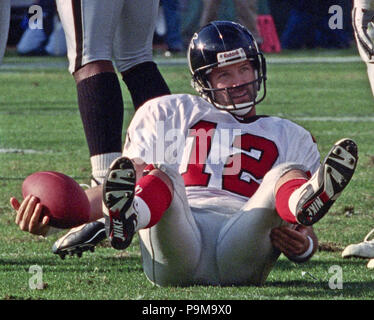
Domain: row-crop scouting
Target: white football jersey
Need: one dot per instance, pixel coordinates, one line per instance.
(217, 155)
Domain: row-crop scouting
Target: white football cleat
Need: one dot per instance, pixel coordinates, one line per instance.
(325, 186)
(363, 249)
(370, 264)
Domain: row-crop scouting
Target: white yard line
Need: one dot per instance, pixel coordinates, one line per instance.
(10, 65)
(277, 60)
(334, 119)
(24, 151)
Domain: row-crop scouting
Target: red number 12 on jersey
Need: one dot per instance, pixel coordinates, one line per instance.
(255, 156)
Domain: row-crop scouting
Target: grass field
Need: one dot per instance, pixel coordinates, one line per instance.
(40, 129)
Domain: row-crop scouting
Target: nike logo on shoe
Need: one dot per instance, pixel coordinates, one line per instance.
(118, 229)
(327, 184)
(118, 198)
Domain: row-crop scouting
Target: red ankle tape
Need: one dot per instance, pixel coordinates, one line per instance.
(156, 194)
(148, 169)
(282, 197)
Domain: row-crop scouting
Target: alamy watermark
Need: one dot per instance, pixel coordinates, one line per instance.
(336, 280)
(336, 19)
(36, 20)
(36, 280)
(203, 145)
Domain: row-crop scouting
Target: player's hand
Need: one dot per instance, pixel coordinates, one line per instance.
(291, 242)
(362, 16)
(28, 215)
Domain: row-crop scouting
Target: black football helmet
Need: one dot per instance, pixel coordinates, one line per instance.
(221, 43)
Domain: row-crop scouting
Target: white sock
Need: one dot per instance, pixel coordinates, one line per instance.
(100, 164)
(143, 213)
(294, 200)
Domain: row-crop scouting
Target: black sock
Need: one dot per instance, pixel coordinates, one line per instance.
(101, 108)
(145, 82)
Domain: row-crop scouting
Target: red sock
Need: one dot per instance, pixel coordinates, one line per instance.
(282, 197)
(148, 168)
(156, 195)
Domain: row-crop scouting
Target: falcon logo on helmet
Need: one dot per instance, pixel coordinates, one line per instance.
(221, 43)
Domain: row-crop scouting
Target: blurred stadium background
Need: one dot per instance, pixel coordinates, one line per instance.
(314, 14)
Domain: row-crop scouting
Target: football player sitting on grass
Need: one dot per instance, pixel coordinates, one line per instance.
(215, 191)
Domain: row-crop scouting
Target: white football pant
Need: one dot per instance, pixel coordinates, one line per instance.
(357, 26)
(4, 25)
(213, 244)
(102, 30)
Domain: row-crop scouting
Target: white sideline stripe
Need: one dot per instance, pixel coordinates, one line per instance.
(183, 61)
(334, 119)
(315, 60)
(27, 151)
(275, 60)
(33, 65)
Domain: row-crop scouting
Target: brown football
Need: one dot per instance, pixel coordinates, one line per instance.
(63, 199)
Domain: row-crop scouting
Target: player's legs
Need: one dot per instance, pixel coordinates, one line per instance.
(210, 11)
(363, 249)
(133, 51)
(245, 238)
(247, 16)
(79, 239)
(89, 27)
(311, 200)
(369, 60)
(134, 35)
(369, 65)
(4, 25)
(172, 13)
(171, 249)
(157, 207)
(87, 236)
(370, 68)
(245, 254)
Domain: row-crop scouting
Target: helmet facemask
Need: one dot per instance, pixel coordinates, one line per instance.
(254, 90)
(219, 44)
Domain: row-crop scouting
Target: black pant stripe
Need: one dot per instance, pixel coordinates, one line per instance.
(77, 16)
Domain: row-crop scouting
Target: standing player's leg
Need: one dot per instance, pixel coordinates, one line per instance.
(89, 27)
(133, 51)
(99, 95)
(247, 16)
(4, 25)
(370, 69)
(369, 60)
(209, 12)
(363, 27)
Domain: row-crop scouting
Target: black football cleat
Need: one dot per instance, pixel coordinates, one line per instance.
(80, 239)
(326, 185)
(118, 196)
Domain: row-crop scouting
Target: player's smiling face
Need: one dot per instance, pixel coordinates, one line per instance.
(233, 76)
